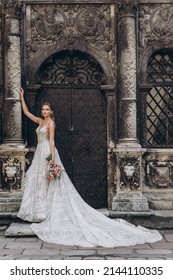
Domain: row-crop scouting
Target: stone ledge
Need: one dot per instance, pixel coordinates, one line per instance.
(19, 229)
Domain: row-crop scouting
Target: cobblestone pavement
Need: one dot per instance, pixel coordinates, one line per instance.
(32, 248)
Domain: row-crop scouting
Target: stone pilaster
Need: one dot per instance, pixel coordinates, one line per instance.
(128, 152)
(12, 127)
(111, 136)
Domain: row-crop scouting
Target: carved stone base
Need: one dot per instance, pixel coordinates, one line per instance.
(134, 202)
(128, 180)
(12, 166)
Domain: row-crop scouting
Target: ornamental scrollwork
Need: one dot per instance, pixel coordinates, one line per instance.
(75, 69)
(129, 173)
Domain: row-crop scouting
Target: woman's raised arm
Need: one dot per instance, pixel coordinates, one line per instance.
(25, 109)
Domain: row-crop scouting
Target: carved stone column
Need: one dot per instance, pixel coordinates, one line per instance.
(127, 74)
(12, 151)
(128, 152)
(12, 80)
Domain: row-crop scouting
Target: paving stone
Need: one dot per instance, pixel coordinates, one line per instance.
(78, 252)
(9, 257)
(114, 258)
(41, 252)
(126, 250)
(27, 239)
(73, 258)
(105, 251)
(6, 239)
(136, 258)
(4, 252)
(166, 245)
(142, 246)
(94, 258)
(38, 257)
(24, 245)
(154, 252)
(168, 237)
(56, 246)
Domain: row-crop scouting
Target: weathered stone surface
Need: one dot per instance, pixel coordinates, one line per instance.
(19, 229)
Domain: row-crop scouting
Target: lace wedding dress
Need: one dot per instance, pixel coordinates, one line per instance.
(65, 217)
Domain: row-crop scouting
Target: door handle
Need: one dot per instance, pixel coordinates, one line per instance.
(71, 128)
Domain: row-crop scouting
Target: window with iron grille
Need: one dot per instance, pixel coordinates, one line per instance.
(159, 101)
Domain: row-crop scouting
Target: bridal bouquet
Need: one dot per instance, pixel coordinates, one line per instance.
(54, 169)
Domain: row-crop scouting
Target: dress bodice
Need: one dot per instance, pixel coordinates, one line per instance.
(42, 133)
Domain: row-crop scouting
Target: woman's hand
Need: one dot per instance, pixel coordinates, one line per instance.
(21, 92)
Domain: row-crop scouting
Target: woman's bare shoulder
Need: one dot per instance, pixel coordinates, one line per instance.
(51, 123)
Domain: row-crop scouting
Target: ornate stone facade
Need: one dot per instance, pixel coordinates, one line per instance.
(119, 38)
(51, 28)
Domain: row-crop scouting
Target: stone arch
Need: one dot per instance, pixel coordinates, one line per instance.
(146, 57)
(38, 60)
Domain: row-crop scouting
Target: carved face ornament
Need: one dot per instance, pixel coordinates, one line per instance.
(129, 170)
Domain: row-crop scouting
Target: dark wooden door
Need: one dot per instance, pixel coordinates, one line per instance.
(81, 138)
(71, 83)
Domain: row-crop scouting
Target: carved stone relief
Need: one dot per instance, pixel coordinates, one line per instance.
(159, 174)
(128, 5)
(13, 66)
(11, 174)
(48, 23)
(155, 24)
(129, 173)
(128, 58)
(128, 118)
(12, 128)
(70, 27)
(11, 7)
(91, 22)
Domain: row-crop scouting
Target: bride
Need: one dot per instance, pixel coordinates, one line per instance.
(57, 211)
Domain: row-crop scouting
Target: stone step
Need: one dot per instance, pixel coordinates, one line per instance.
(19, 229)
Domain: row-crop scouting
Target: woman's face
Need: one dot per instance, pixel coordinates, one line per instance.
(46, 111)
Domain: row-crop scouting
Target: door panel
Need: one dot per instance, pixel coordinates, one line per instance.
(80, 116)
(89, 145)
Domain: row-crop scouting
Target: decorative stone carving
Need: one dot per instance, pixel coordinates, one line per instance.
(48, 23)
(127, 78)
(159, 174)
(12, 7)
(127, 42)
(155, 24)
(75, 26)
(91, 22)
(162, 22)
(12, 73)
(129, 173)
(11, 174)
(128, 5)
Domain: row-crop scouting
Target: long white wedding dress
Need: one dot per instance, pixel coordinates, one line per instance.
(65, 217)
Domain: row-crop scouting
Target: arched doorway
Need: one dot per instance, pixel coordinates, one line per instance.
(70, 81)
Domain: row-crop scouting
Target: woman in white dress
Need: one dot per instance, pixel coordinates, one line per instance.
(57, 211)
